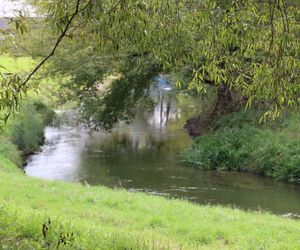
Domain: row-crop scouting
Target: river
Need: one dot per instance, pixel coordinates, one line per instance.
(144, 156)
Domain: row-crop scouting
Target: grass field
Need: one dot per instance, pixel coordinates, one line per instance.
(38, 214)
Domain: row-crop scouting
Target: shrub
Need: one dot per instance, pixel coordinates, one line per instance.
(236, 145)
(47, 115)
(224, 149)
(278, 158)
(27, 130)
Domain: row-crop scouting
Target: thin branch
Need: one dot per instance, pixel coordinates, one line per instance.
(81, 10)
(63, 34)
(286, 15)
(272, 13)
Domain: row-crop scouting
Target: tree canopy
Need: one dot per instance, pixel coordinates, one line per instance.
(248, 47)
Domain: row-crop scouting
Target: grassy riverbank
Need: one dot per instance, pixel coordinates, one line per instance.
(44, 214)
(237, 142)
(44, 89)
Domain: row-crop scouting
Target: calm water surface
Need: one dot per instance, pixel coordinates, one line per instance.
(144, 156)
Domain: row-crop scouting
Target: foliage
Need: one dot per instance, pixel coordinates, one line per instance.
(41, 214)
(27, 128)
(119, 100)
(241, 145)
(12, 71)
(47, 115)
(81, 69)
(248, 46)
(36, 42)
(12, 86)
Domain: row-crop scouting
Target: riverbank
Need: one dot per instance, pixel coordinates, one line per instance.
(38, 214)
(237, 142)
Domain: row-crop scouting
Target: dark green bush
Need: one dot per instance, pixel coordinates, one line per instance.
(27, 130)
(258, 149)
(224, 149)
(47, 115)
(277, 157)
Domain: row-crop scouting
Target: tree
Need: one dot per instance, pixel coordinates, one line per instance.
(247, 49)
(11, 89)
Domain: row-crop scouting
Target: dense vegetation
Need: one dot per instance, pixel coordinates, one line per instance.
(248, 49)
(25, 129)
(238, 142)
(37, 214)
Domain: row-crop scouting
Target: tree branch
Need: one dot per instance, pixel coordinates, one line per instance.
(63, 34)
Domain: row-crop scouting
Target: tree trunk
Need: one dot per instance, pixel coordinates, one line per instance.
(227, 101)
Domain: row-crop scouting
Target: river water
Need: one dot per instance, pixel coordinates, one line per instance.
(145, 157)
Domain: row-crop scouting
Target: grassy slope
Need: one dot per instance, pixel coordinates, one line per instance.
(47, 87)
(101, 218)
(20, 64)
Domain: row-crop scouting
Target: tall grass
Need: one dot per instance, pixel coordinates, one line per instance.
(10, 151)
(239, 143)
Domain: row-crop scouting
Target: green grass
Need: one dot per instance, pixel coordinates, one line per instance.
(9, 150)
(17, 64)
(83, 217)
(44, 88)
(76, 216)
(238, 143)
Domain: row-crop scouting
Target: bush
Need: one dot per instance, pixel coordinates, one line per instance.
(47, 115)
(224, 149)
(278, 158)
(252, 148)
(27, 130)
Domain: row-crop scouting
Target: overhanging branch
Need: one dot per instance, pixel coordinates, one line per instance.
(63, 34)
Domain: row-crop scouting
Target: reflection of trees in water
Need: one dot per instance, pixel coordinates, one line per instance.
(149, 130)
(161, 107)
(130, 141)
(164, 110)
(168, 111)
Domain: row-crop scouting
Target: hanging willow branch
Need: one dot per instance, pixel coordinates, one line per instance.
(280, 6)
(63, 34)
(12, 87)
